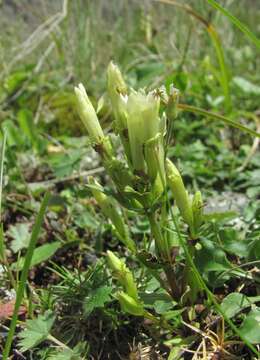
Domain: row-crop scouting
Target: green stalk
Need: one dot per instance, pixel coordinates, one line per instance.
(214, 116)
(2, 245)
(164, 253)
(242, 27)
(25, 270)
(2, 158)
(162, 249)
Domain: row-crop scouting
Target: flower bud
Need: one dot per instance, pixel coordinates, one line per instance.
(109, 209)
(130, 305)
(154, 157)
(179, 193)
(197, 209)
(117, 91)
(88, 114)
(123, 274)
(173, 100)
(114, 262)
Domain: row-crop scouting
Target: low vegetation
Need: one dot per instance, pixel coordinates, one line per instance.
(129, 177)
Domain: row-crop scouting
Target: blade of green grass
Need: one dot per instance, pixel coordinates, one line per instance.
(214, 116)
(224, 73)
(24, 275)
(2, 158)
(214, 36)
(242, 27)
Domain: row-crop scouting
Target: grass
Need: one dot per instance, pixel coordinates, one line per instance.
(74, 305)
(24, 275)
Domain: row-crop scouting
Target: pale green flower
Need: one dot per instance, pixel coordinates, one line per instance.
(117, 91)
(143, 124)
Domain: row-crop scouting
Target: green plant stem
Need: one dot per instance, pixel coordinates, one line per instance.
(214, 116)
(211, 296)
(159, 240)
(163, 252)
(24, 274)
(242, 27)
(224, 79)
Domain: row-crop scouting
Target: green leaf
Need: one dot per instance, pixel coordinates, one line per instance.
(232, 242)
(15, 80)
(41, 253)
(97, 298)
(37, 330)
(234, 303)
(220, 216)
(85, 220)
(211, 260)
(214, 116)
(254, 250)
(250, 327)
(13, 134)
(162, 307)
(21, 236)
(63, 164)
(26, 122)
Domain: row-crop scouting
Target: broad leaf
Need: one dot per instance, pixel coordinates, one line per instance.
(234, 303)
(250, 327)
(20, 235)
(37, 330)
(41, 253)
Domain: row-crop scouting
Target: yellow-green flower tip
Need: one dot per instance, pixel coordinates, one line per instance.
(88, 114)
(130, 305)
(114, 262)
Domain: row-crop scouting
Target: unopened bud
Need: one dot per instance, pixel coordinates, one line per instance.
(197, 209)
(123, 274)
(179, 193)
(88, 114)
(173, 100)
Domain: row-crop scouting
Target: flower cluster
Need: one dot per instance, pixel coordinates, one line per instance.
(141, 178)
